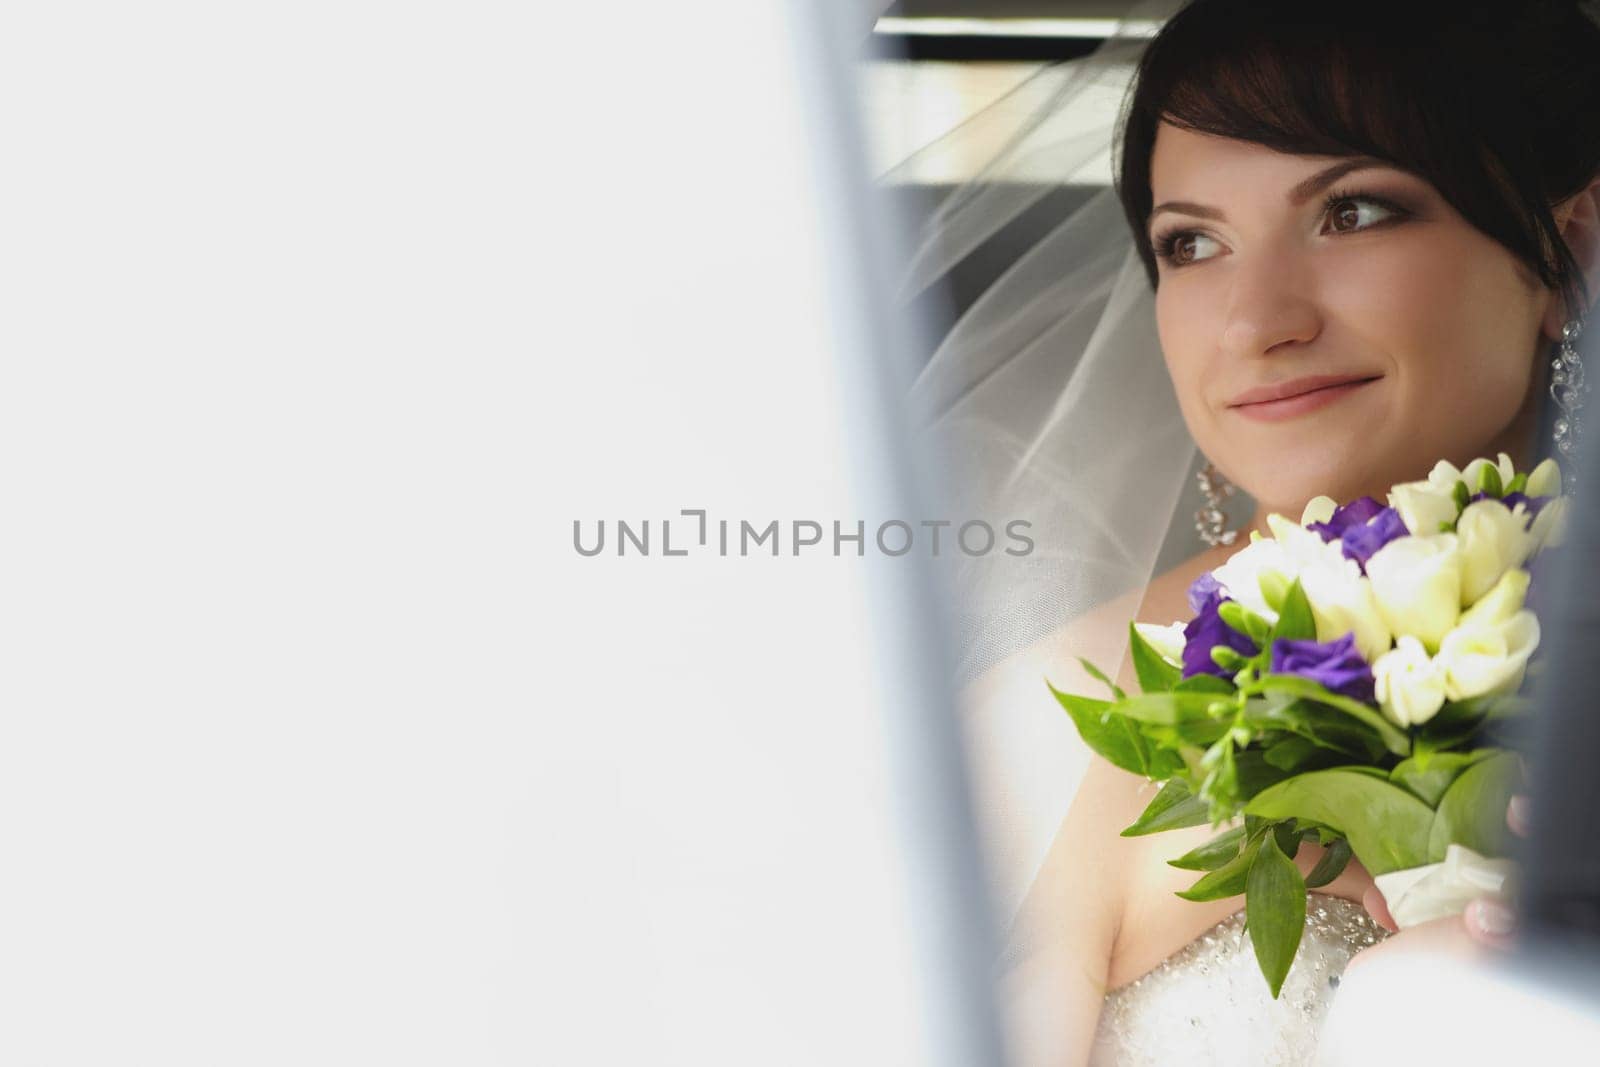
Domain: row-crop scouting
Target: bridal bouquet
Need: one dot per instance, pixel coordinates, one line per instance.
(1352, 679)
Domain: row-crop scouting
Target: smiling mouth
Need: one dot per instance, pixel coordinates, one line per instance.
(1303, 402)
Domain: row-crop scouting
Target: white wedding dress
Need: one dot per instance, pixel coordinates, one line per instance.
(1208, 1004)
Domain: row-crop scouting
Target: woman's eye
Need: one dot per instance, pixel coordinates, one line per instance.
(1186, 248)
(1355, 213)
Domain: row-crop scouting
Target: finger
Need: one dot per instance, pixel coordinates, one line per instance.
(1517, 815)
(1440, 940)
(1378, 908)
(1491, 922)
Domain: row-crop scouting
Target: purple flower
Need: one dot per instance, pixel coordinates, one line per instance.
(1207, 630)
(1336, 665)
(1511, 500)
(1360, 542)
(1201, 590)
(1345, 516)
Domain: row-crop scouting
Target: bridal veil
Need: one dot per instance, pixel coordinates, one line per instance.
(1048, 403)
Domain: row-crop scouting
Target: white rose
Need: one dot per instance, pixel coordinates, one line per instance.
(1342, 602)
(1318, 509)
(1423, 507)
(1409, 685)
(1481, 660)
(1417, 583)
(1492, 540)
(1549, 527)
(1545, 479)
(1168, 640)
(1240, 577)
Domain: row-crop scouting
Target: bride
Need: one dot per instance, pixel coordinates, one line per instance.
(1343, 245)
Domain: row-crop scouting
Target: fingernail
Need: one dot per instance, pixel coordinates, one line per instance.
(1494, 919)
(1517, 813)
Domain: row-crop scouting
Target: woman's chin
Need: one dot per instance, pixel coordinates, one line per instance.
(1301, 474)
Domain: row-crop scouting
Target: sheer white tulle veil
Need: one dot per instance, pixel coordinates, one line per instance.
(1048, 402)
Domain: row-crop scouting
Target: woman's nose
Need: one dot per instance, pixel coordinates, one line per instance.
(1269, 305)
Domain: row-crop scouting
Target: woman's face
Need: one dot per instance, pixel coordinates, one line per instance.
(1279, 273)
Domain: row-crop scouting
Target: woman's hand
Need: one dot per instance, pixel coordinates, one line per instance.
(1487, 922)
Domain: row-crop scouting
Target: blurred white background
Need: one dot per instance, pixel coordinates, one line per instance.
(320, 742)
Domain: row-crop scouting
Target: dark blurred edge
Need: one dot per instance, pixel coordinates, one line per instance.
(980, 48)
(1561, 859)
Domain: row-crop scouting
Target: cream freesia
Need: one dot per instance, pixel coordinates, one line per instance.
(1302, 547)
(1487, 660)
(1549, 527)
(1501, 602)
(1342, 602)
(1167, 640)
(1444, 475)
(1492, 540)
(1545, 479)
(1423, 506)
(1417, 584)
(1318, 509)
(1408, 684)
(1473, 472)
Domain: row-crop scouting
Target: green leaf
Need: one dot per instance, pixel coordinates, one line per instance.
(1155, 674)
(1213, 854)
(1393, 738)
(1429, 774)
(1331, 865)
(1200, 732)
(1472, 811)
(1387, 827)
(1518, 484)
(1289, 753)
(1166, 709)
(1172, 809)
(1455, 724)
(1461, 494)
(1098, 675)
(1512, 705)
(1111, 735)
(1252, 772)
(1164, 763)
(1323, 726)
(1227, 880)
(1288, 837)
(1275, 909)
(1204, 683)
(1295, 622)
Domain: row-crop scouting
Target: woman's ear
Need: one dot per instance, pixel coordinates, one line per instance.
(1578, 218)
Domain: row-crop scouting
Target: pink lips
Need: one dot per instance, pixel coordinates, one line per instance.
(1288, 399)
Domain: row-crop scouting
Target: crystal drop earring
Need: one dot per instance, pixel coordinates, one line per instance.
(1211, 522)
(1568, 388)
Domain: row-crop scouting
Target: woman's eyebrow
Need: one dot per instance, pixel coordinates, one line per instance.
(1302, 192)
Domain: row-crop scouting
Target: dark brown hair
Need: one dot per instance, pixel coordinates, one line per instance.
(1496, 105)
